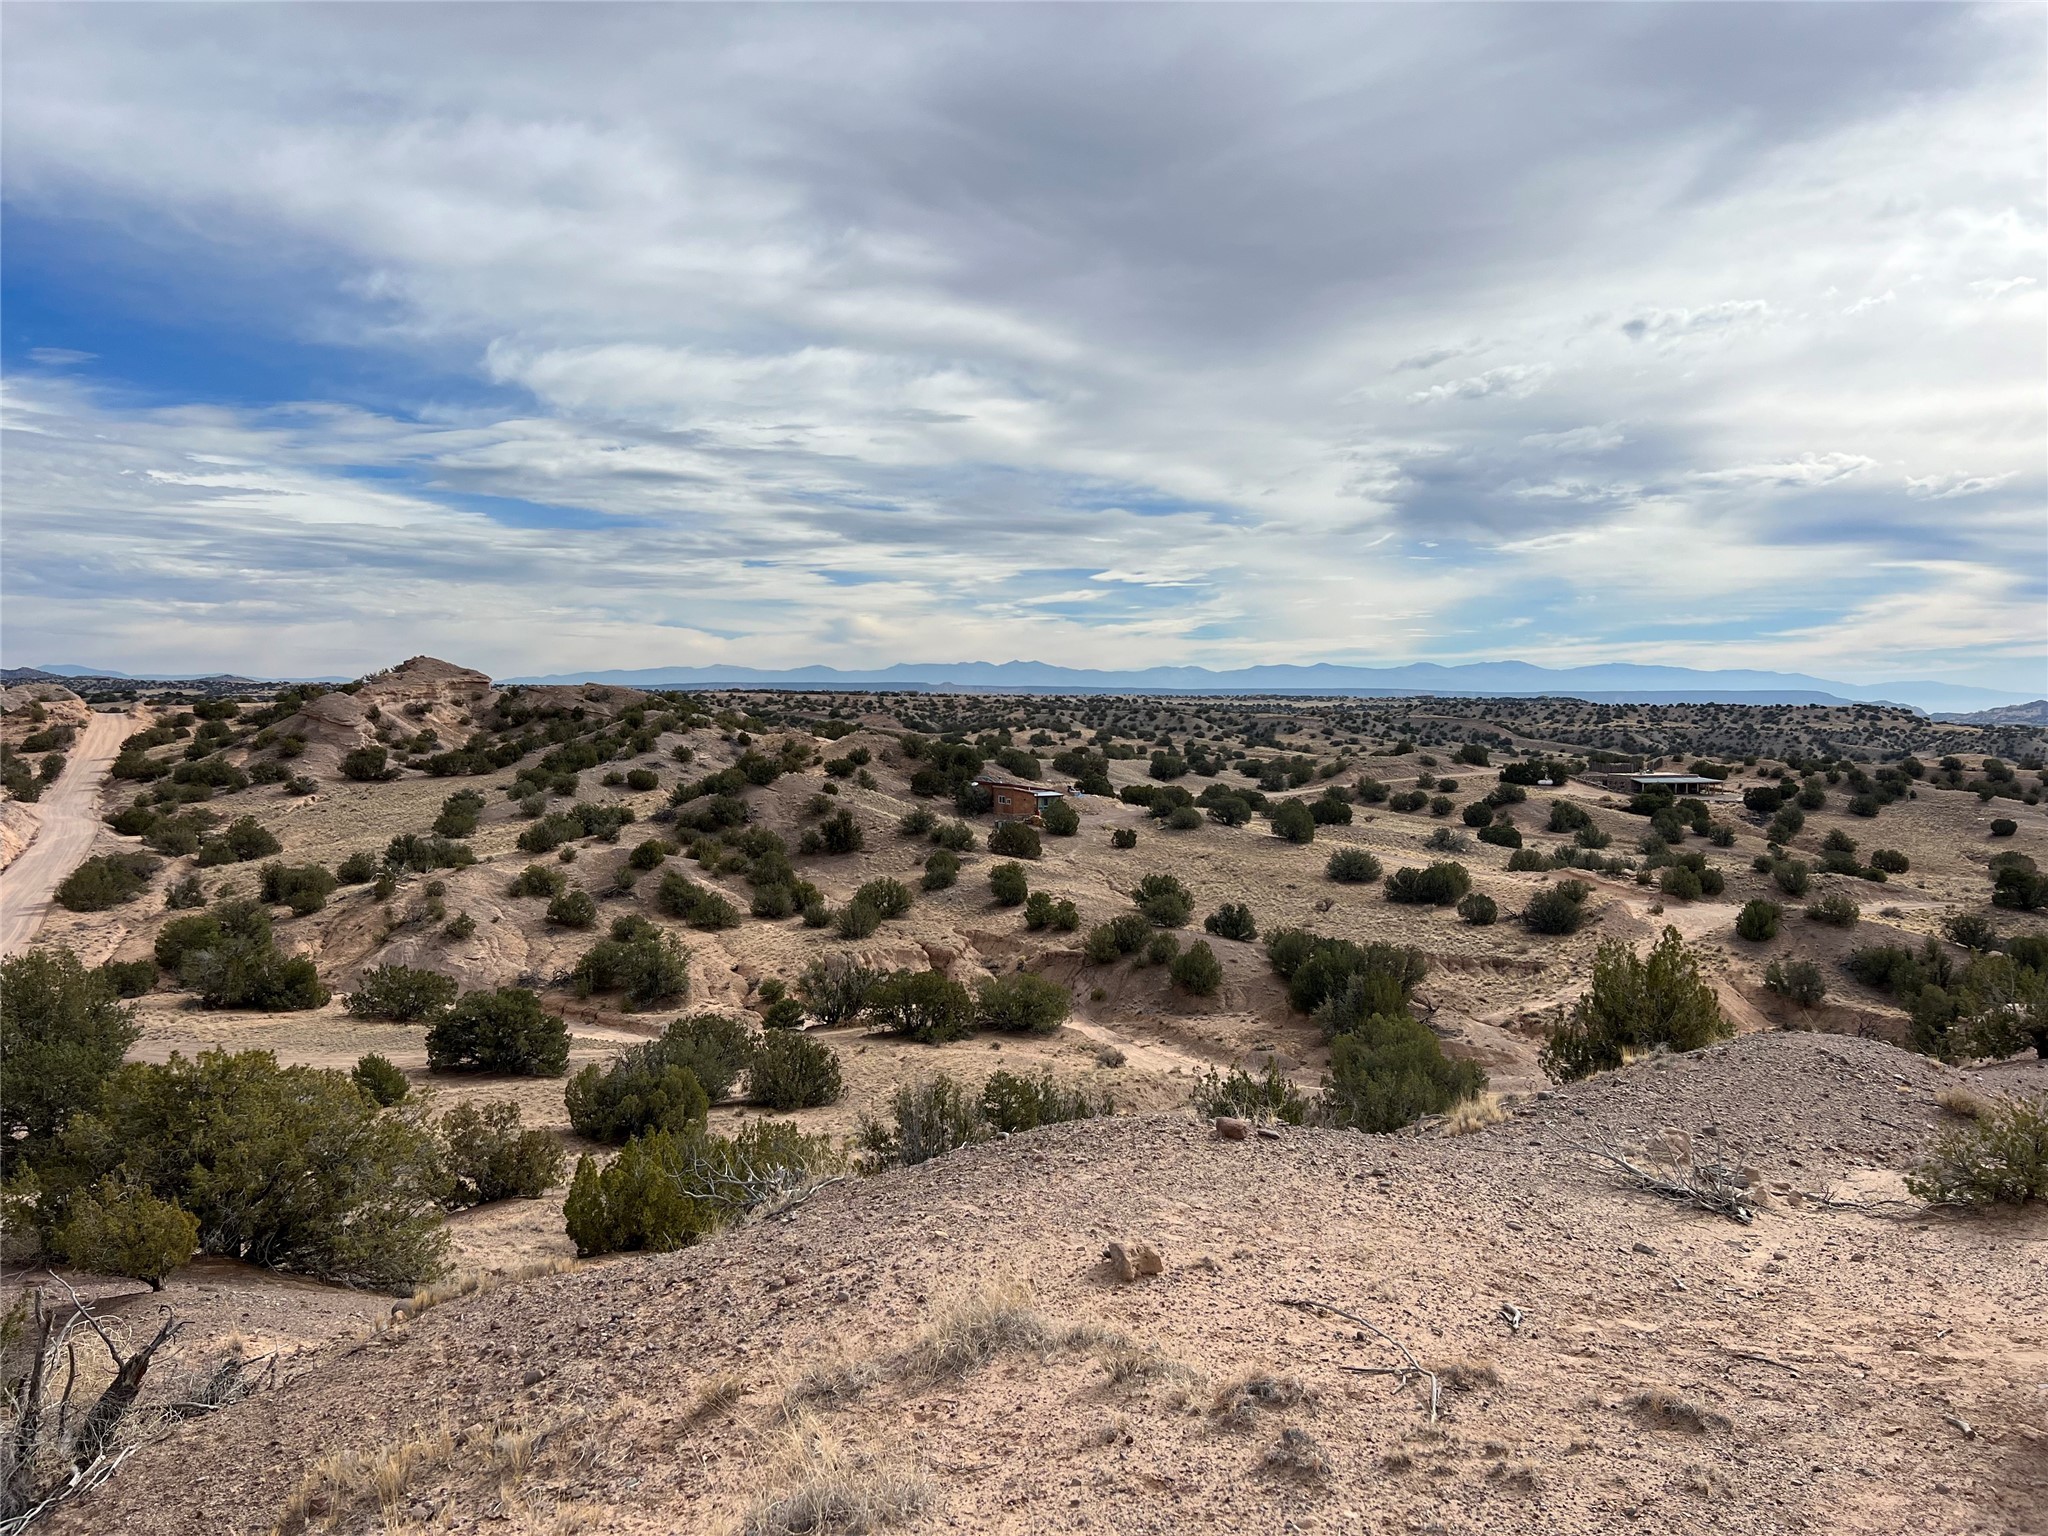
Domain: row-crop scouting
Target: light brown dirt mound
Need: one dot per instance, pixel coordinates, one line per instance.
(1606, 1360)
(420, 694)
(18, 824)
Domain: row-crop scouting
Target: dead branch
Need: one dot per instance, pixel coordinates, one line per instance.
(1413, 1367)
(1750, 1354)
(1710, 1186)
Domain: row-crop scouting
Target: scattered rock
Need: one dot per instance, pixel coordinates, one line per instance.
(1232, 1129)
(1127, 1261)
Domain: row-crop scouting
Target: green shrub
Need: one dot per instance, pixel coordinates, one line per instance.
(409, 853)
(1528, 861)
(1244, 1097)
(228, 957)
(304, 887)
(1011, 1102)
(238, 842)
(128, 978)
(1558, 910)
(641, 780)
(113, 1230)
(185, 894)
(923, 1005)
(359, 868)
(639, 1091)
(1008, 884)
(505, 1031)
(1479, 909)
(1567, 816)
(1972, 930)
(1797, 981)
(574, 908)
(1232, 920)
(1836, 909)
(63, 1033)
(400, 993)
(1636, 1004)
(1123, 837)
(941, 870)
(666, 1190)
(929, 1118)
(1592, 838)
(106, 880)
(1294, 821)
(381, 1082)
(891, 898)
(1999, 1159)
(459, 814)
(1061, 819)
(650, 854)
(1502, 834)
(1014, 840)
(792, 1071)
(2004, 826)
(1159, 948)
(1021, 1003)
(917, 822)
(367, 765)
(1758, 920)
(1438, 885)
(289, 1168)
(835, 992)
(856, 920)
(638, 959)
(1164, 901)
(1197, 970)
(1353, 866)
(840, 833)
(487, 1157)
(954, 836)
(697, 905)
(1389, 1072)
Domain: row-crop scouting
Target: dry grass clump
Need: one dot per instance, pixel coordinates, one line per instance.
(1297, 1454)
(337, 1485)
(828, 1489)
(970, 1330)
(1664, 1409)
(476, 1283)
(828, 1384)
(1961, 1099)
(1466, 1375)
(1237, 1402)
(715, 1395)
(1129, 1362)
(1708, 1483)
(1476, 1114)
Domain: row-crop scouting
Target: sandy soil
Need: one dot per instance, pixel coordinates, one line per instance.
(68, 825)
(1812, 1369)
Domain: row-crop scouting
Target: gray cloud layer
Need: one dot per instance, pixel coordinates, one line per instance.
(1207, 334)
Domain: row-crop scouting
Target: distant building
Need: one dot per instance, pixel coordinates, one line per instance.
(1017, 801)
(1677, 783)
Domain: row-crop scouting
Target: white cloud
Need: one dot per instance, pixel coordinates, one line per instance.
(1579, 440)
(1516, 381)
(1949, 486)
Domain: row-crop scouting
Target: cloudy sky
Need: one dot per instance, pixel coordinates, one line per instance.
(557, 337)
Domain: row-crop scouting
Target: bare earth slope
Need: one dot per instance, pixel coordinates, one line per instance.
(1611, 1361)
(69, 817)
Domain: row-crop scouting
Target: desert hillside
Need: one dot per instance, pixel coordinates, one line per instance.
(943, 1344)
(947, 1340)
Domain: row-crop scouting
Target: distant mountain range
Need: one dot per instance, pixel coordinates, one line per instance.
(1615, 682)
(2035, 713)
(1607, 683)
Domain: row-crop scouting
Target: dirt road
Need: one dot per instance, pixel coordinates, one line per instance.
(70, 811)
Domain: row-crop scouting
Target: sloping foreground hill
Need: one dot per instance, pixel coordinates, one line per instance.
(1608, 1360)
